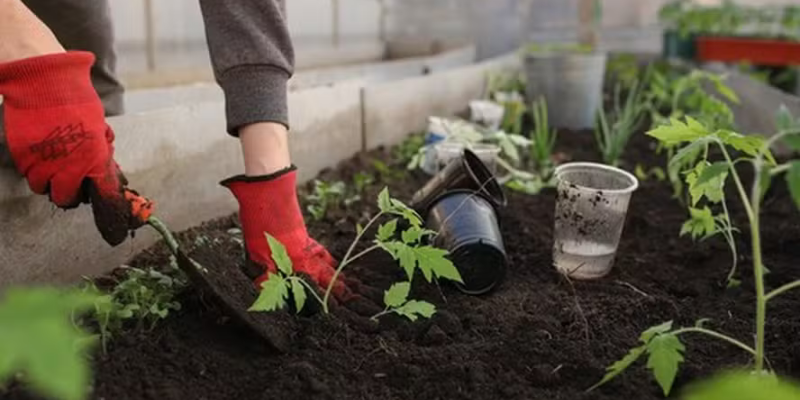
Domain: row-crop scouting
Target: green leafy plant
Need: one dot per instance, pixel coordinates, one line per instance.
(361, 180)
(280, 286)
(755, 151)
(145, 296)
(701, 95)
(644, 174)
(514, 111)
(543, 139)
(615, 129)
(397, 302)
(624, 69)
(410, 148)
(407, 247)
(40, 346)
(327, 196)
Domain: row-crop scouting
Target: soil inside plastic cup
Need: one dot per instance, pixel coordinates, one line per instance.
(591, 205)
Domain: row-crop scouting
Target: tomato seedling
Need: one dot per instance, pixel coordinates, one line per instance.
(662, 343)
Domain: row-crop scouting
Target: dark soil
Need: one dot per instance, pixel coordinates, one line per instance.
(538, 336)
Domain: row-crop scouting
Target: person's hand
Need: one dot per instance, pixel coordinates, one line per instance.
(268, 204)
(59, 140)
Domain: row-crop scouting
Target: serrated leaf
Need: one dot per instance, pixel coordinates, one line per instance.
(433, 261)
(399, 208)
(416, 308)
(793, 182)
(744, 385)
(298, 293)
(386, 231)
(397, 295)
(619, 366)
(665, 355)
(749, 144)
(279, 255)
(39, 339)
(273, 294)
(359, 229)
(700, 224)
(384, 201)
(725, 90)
(711, 172)
(677, 132)
(412, 235)
(655, 330)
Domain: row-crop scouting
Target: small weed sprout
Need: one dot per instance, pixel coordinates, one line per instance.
(662, 343)
(327, 196)
(361, 180)
(615, 129)
(408, 250)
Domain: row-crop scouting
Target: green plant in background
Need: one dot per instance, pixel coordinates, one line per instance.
(623, 68)
(40, 346)
(643, 174)
(543, 139)
(662, 343)
(407, 247)
(409, 148)
(397, 302)
(361, 180)
(505, 82)
(615, 129)
(514, 111)
(327, 196)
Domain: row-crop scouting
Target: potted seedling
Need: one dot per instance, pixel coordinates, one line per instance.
(770, 37)
(569, 76)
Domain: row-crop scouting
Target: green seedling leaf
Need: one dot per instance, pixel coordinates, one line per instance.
(38, 339)
(386, 231)
(279, 255)
(665, 355)
(620, 366)
(359, 229)
(748, 144)
(384, 201)
(433, 261)
(298, 293)
(700, 224)
(397, 295)
(723, 89)
(273, 294)
(655, 330)
(677, 132)
(640, 172)
(744, 385)
(414, 309)
(733, 283)
(707, 180)
(399, 208)
(793, 181)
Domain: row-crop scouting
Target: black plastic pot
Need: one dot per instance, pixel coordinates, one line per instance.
(468, 229)
(464, 173)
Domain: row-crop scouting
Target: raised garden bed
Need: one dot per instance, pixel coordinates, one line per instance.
(538, 336)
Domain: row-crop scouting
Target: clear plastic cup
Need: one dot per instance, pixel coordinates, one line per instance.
(447, 151)
(591, 204)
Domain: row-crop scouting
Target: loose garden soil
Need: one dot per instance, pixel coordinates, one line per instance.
(538, 336)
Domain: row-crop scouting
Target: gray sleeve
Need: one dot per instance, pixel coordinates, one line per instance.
(252, 56)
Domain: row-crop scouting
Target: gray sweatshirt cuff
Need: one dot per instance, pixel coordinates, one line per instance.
(254, 93)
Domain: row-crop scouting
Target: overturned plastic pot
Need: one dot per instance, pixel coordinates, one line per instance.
(465, 173)
(468, 229)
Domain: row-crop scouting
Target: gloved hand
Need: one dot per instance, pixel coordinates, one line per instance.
(59, 140)
(268, 204)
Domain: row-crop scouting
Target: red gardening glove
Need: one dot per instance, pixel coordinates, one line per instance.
(59, 140)
(269, 204)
